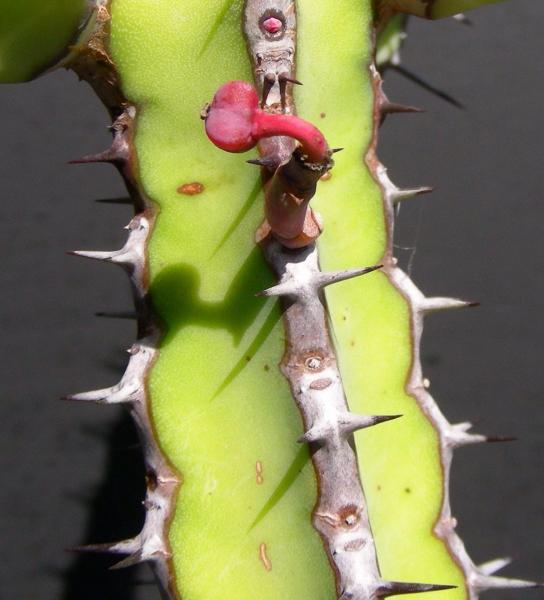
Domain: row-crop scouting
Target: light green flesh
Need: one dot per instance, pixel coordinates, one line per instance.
(215, 412)
(205, 274)
(370, 318)
(35, 34)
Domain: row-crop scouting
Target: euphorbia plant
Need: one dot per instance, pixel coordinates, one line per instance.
(246, 496)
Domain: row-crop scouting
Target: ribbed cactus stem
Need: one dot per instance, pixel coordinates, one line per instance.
(309, 364)
(294, 156)
(451, 436)
(151, 544)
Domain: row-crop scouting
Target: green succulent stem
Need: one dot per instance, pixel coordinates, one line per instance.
(36, 35)
(263, 477)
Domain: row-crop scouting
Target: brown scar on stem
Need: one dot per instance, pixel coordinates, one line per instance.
(354, 545)
(191, 189)
(264, 558)
(259, 472)
(320, 384)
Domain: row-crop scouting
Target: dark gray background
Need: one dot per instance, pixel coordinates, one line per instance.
(72, 474)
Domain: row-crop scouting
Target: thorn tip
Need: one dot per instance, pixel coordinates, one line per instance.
(393, 588)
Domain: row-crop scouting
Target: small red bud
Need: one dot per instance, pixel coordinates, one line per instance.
(272, 25)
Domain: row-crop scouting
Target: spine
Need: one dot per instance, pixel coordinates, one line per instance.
(480, 578)
(93, 64)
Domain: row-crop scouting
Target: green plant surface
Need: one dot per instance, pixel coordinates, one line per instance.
(35, 34)
(220, 404)
(370, 318)
(222, 411)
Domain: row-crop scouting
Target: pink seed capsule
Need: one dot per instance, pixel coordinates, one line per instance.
(272, 25)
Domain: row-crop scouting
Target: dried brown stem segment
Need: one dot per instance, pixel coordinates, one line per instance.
(287, 195)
